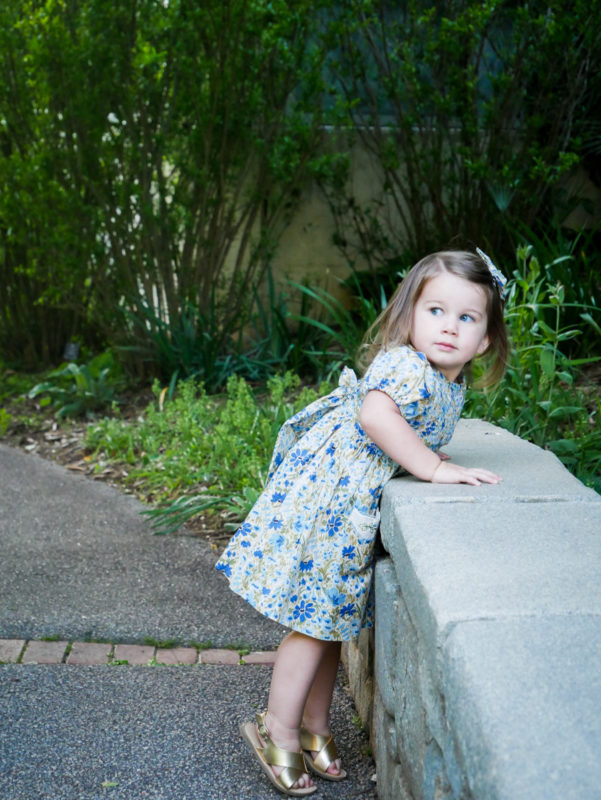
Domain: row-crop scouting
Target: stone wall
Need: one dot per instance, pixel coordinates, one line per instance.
(482, 678)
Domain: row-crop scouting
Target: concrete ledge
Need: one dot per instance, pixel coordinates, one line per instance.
(487, 659)
(524, 699)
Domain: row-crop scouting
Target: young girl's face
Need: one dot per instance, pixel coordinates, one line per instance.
(449, 323)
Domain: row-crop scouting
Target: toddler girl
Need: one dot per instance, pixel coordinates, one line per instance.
(303, 557)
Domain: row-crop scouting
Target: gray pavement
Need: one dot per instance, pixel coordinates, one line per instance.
(78, 561)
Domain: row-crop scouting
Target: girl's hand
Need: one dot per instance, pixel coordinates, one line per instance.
(452, 473)
(443, 456)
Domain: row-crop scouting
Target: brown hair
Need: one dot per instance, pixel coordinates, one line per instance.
(393, 326)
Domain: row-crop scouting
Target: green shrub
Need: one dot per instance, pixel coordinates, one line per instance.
(451, 102)
(151, 155)
(572, 259)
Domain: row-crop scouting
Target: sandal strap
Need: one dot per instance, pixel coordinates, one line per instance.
(263, 732)
(292, 763)
(277, 757)
(324, 746)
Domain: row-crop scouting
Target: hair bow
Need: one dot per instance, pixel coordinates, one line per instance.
(498, 276)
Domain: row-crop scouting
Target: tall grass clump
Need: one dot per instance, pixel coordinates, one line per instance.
(341, 326)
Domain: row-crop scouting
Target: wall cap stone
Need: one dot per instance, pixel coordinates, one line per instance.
(488, 631)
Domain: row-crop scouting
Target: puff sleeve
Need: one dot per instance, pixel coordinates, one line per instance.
(401, 374)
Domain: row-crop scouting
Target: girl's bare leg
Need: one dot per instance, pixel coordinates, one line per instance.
(316, 715)
(297, 664)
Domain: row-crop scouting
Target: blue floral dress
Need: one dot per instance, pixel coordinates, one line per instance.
(303, 556)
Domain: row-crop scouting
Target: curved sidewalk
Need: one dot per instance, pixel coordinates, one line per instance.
(79, 564)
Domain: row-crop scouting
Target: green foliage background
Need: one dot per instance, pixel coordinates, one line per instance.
(151, 153)
(473, 114)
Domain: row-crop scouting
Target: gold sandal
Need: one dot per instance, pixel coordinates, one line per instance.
(270, 755)
(326, 754)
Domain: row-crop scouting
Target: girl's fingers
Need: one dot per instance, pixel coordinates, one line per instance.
(485, 476)
(474, 476)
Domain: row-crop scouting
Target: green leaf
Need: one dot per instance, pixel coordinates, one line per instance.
(563, 447)
(546, 329)
(589, 318)
(565, 411)
(39, 389)
(547, 362)
(571, 334)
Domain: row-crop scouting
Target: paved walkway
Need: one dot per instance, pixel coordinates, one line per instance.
(127, 664)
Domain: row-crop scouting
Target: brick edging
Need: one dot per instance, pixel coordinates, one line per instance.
(33, 651)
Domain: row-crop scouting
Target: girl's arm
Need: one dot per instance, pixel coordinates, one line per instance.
(382, 421)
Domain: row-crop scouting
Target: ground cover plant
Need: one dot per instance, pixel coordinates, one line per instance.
(196, 452)
(82, 389)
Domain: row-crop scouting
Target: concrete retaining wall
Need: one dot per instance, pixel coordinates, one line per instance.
(485, 677)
